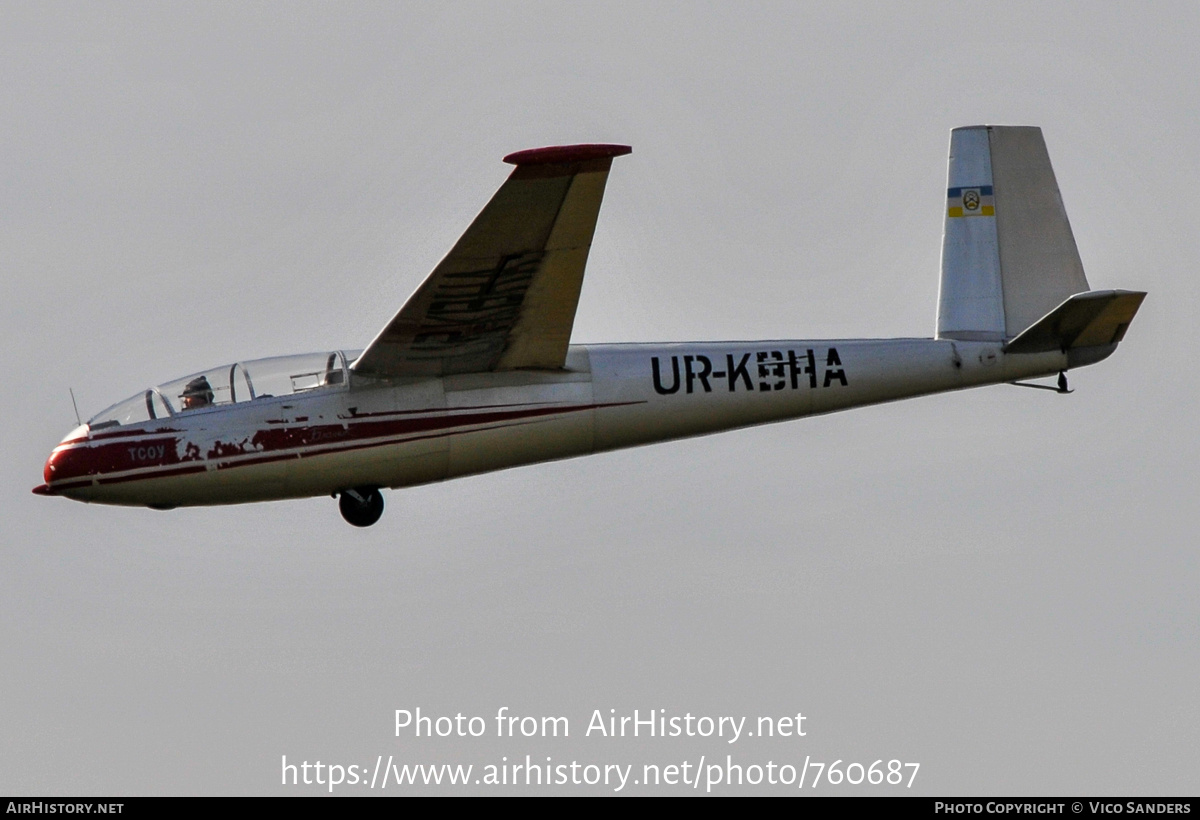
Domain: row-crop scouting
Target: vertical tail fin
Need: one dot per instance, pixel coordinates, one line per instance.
(1008, 254)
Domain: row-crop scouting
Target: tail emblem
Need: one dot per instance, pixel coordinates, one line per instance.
(970, 201)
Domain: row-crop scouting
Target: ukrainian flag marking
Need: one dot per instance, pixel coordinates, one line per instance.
(975, 201)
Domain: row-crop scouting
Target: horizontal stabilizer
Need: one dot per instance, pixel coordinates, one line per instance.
(1092, 319)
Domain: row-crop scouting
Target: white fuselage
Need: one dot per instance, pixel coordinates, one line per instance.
(401, 433)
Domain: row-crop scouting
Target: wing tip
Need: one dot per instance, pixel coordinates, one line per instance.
(555, 154)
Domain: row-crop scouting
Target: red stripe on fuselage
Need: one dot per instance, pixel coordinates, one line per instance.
(146, 454)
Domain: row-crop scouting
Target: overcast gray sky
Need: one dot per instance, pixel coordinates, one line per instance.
(1000, 585)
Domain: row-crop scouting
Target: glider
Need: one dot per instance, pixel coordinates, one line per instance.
(476, 371)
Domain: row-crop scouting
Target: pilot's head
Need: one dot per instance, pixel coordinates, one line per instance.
(198, 393)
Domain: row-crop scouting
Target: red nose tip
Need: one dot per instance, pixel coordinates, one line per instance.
(68, 461)
(49, 473)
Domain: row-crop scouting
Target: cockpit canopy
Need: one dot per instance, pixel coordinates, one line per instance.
(232, 384)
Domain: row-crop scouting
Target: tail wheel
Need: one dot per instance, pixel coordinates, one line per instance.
(361, 506)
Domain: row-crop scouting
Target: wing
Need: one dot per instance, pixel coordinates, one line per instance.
(504, 298)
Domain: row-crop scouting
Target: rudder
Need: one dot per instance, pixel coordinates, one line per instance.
(1008, 253)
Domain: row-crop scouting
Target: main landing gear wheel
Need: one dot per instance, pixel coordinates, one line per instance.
(361, 506)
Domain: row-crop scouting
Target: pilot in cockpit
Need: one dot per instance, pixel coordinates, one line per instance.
(197, 394)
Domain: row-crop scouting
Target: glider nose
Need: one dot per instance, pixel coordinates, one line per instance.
(58, 462)
(65, 462)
